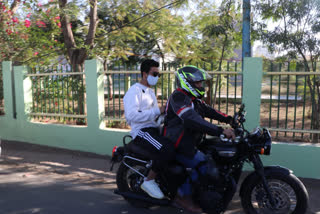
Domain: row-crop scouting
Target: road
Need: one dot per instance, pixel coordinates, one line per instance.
(41, 180)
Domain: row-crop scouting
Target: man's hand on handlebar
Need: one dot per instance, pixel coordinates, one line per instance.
(229, 133)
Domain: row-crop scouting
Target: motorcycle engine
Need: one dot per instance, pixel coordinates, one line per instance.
(211, 202)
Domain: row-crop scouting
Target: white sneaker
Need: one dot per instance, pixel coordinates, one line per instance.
(152, 188)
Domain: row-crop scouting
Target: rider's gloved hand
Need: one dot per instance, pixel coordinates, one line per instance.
(229, 133)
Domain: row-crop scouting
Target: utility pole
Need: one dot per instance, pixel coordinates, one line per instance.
(246, 44)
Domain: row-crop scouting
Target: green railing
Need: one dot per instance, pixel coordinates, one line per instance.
(224, 89)
(58, 95)
(1, 93)
(287, 101)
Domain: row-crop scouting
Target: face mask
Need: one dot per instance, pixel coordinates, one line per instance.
(152, 80)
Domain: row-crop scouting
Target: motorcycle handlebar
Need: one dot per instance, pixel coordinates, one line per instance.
(223, 138)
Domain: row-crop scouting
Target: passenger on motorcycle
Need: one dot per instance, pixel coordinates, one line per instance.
(185, 126)
(141, 110)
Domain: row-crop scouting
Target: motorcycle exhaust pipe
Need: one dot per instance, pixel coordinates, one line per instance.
(141, 197)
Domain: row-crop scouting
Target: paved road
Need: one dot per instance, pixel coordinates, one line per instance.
(43, 180)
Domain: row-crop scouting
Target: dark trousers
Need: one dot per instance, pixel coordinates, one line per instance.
(161, 147)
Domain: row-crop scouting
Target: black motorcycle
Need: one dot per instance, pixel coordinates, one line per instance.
(268, 189)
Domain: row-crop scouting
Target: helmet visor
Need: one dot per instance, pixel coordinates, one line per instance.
(199, 75)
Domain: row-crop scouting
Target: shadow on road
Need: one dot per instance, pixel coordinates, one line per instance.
(38, 179)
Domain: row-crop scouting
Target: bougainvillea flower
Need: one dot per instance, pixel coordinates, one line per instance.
(15, 19)
(27, 23)
(36, 53)
(9, 32)
(41, 24)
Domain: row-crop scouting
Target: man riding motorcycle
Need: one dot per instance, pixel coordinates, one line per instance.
(185, 126)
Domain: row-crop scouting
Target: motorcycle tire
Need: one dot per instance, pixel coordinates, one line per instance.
(286, 180)
(124, 186)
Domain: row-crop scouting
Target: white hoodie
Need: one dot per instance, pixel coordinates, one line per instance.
(140, 108)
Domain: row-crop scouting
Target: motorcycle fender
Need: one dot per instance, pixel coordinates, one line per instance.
(267, 170)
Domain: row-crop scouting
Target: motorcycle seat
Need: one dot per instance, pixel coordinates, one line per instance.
(139, 152)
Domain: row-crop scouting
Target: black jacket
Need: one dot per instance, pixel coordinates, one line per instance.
(185, 124)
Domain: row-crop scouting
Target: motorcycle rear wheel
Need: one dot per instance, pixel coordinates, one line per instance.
(290, 195)
(128, 181)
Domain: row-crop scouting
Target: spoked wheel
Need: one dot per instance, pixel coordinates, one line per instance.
(130, 181)
(287, 190)
(283, 194)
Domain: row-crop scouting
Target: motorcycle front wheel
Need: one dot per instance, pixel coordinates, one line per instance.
(288, 191)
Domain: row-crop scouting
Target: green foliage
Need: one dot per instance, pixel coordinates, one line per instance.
(124, 33)
(30, 35)
(297, 28)
(214, 33)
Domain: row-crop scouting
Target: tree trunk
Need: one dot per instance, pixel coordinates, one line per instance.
(76, 55)
(316, 102)
(218, 79)
(15, 6)
(109, 81)
(315, 108)
(79, 67)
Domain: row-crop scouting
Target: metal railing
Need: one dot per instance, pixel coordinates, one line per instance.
(287, 102)
(57, 95)
(224, 90)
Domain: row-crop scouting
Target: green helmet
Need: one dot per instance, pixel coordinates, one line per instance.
(188, 75)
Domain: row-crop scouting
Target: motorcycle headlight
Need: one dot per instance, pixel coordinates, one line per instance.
(261, 141)
(267, 141)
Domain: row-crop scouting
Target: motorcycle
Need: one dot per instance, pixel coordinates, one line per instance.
(268, 189)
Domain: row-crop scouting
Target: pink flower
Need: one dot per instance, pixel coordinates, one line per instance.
(57, 17)
(9, 32)
(35, 53)
(15, 19)
(59, 24)
(27, 23)
(39, 5)
(41, 24)
(29, 14)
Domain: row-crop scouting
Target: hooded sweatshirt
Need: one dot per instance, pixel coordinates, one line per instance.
(140, 108)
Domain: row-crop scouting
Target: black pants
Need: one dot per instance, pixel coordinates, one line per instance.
(162, 148)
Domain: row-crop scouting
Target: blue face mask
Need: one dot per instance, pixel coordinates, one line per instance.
(152, 80)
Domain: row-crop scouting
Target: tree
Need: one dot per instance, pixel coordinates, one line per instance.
(113, 36)
(298, 35)
(29, 32)
(216, 34)
(131, 31)
(77, 53)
